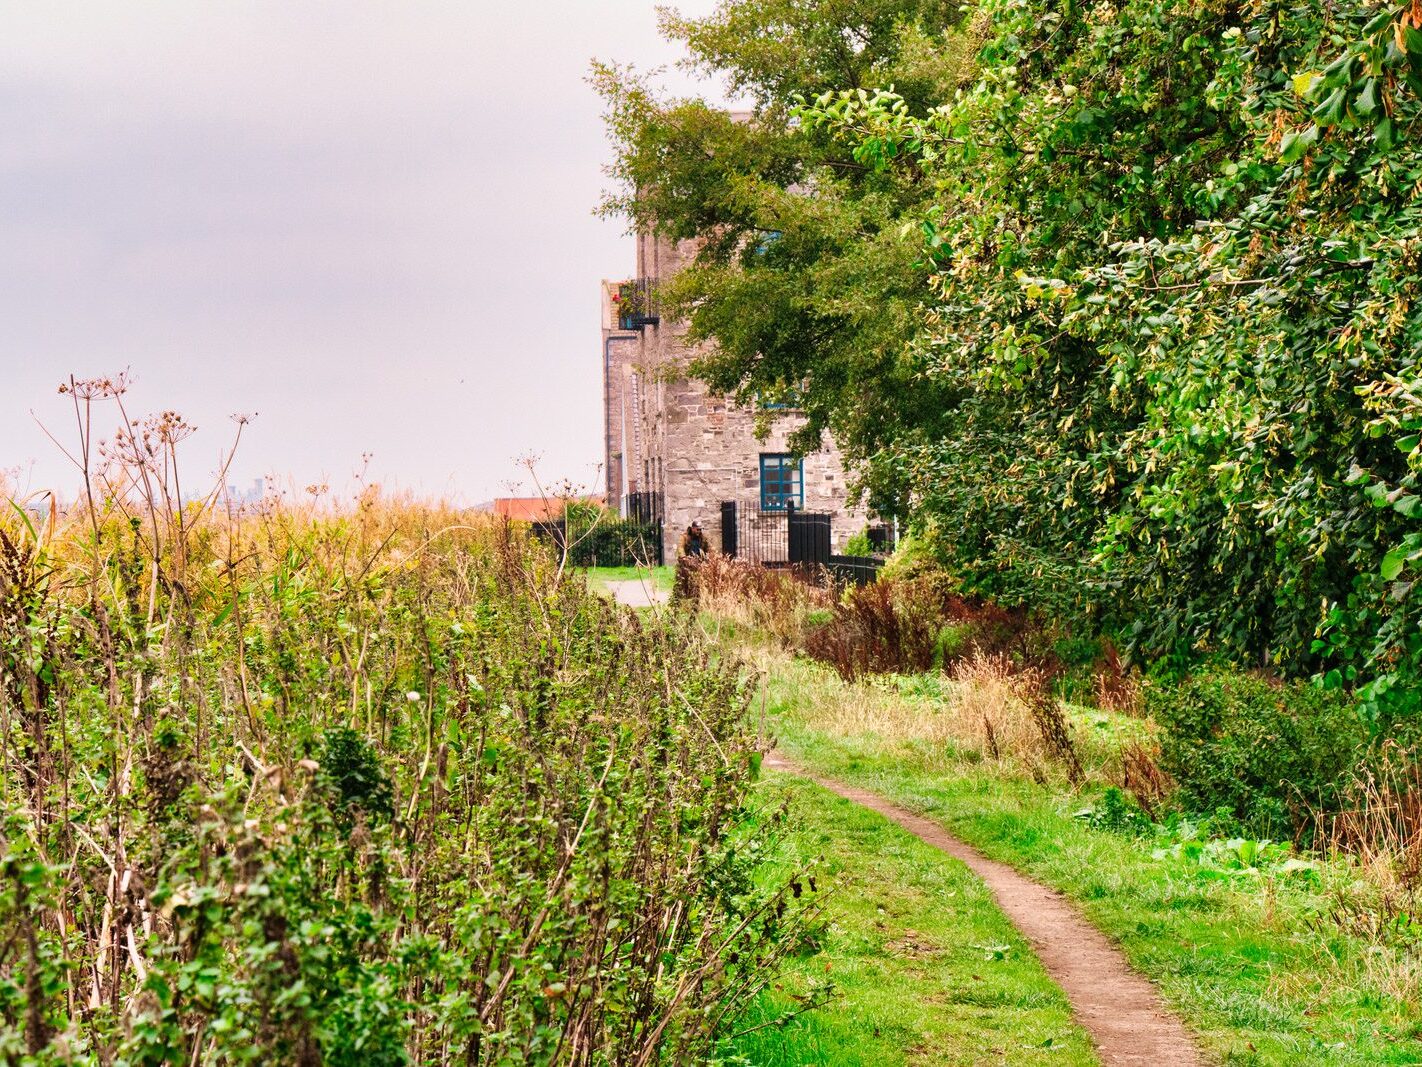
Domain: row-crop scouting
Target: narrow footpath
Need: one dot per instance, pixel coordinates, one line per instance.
(638, 593)
(1121, 1010)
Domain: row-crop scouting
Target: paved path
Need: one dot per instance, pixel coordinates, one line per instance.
(638, 593)
(1122, 1011)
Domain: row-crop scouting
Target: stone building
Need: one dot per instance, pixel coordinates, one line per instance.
(675, 448)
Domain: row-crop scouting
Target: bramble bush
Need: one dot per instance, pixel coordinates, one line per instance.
(1268, 753)
(305, 785)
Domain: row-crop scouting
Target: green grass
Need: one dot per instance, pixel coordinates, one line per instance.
(661, 577)
(1252, 961)
(926, 968)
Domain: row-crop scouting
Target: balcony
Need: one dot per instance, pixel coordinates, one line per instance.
(636, 305)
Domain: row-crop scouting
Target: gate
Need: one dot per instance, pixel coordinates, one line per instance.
(790, 538)
(809, 538)
(729, 532)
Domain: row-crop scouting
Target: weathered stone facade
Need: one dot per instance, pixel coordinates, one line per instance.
(667, 433)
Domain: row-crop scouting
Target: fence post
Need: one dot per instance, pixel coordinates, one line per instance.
(728, 528)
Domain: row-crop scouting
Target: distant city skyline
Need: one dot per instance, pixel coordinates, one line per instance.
(370, 225)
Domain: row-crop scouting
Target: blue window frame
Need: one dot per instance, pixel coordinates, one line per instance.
(781, 400)
(782, 482)
(767, 242)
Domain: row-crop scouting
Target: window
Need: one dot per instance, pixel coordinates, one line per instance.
(781, 401)
(767, 242)
(782, 396)
(781, 482)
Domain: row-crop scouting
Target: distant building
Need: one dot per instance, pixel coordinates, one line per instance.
(676, 451)
(535, 508)
(253, 494)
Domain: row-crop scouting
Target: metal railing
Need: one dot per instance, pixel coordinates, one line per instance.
(644, 507)
(603, 540)
(637, 305)
(789, 537)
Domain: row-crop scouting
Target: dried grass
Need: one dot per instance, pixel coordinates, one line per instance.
(993, 709)
(899, 625)
(1381, 830)
(990, 711)
(1143, 778)
(1116, 689)
(779, 602)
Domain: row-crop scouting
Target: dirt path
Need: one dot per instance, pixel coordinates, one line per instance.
(637, 593)
(1122, 1011)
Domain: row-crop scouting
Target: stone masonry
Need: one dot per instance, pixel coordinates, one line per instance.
(667, 433)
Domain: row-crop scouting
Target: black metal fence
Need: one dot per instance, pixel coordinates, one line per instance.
(752, 533)
(855, 570)
(646, 508)
(603, 540)
(789, 537)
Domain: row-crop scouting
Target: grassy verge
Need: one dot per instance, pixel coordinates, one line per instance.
(1252, 958)
(925, 967)
(660, 577)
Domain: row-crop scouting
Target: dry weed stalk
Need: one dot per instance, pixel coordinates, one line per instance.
(989, 709)
(1115, 687)
(1143, 778)
(1013, 711)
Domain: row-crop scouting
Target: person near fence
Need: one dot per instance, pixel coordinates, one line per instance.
(693, 542)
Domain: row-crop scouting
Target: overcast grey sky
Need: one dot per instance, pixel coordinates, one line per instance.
(368, 222)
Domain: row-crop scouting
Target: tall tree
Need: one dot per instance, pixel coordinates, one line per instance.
(810, 272)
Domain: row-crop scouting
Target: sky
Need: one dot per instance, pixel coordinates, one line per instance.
(369, 223)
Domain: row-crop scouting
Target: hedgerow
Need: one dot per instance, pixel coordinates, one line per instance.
(1267, 754)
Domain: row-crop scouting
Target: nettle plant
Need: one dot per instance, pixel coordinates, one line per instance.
(1174, 260)
(324, 785)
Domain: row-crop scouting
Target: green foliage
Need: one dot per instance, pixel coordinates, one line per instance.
(1118, 812)
(372, 787)
(953, 641)
(1265, 753)
(1124, 306)
(915, 556)
(602, 539)
(859, 544)
(353, 777)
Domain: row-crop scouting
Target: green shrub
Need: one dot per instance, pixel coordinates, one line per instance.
(917, 554)
(353, 777)
(859, 545)
(1077, 650)
(953, 641)
(608, 541)
(1264, 752)
(1118, 812)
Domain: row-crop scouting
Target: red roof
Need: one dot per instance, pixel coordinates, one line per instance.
(536, 508)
